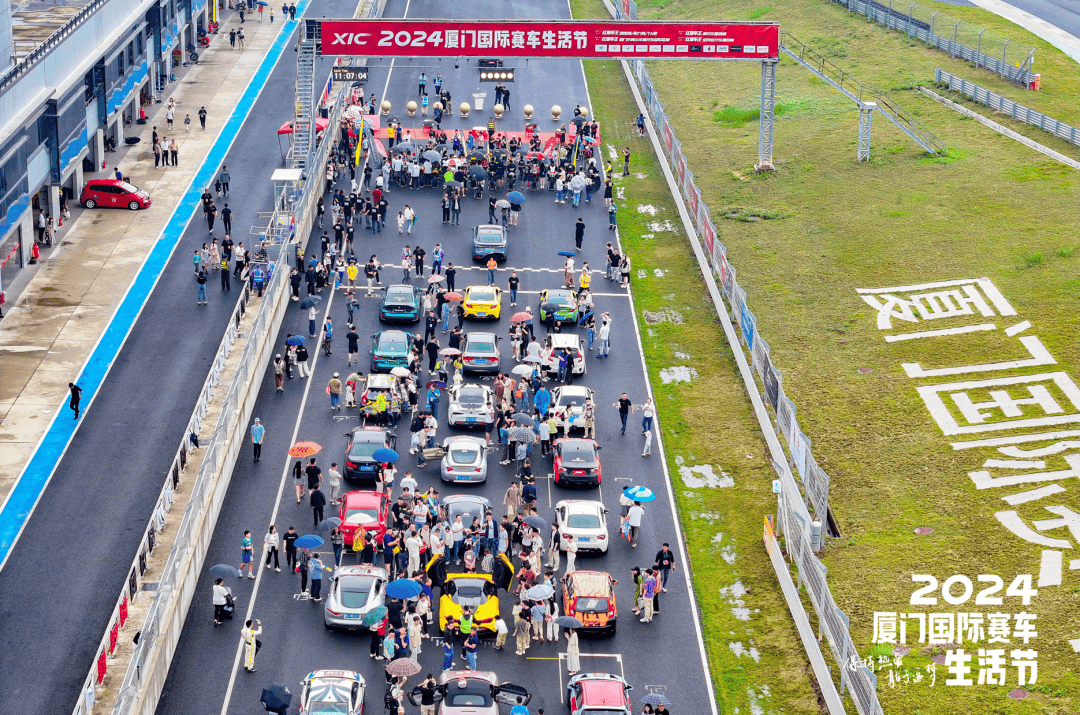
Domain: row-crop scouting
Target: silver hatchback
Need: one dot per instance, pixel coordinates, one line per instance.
(470, 406)
(465, 460)
(355, 591)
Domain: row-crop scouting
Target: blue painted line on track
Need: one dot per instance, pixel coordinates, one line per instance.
(29, 487)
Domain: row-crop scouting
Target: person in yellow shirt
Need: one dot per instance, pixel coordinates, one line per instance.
(492, 264)
(352, 272)
(585, 280)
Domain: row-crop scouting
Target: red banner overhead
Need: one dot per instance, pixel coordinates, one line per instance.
(551, 38)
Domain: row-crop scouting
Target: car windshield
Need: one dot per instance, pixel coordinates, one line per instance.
(393, 343)
(329, 707)
(464, 455)
(486, 296)
(361, 516)
(361, 450)
(559, 298)
(577, 453)
(129, 188)
(592, 605)
(477, 346)
(400, 296)
(571, 400)
(471, 588)
(471, 396)
(468, 698)
(583, 521)
(489, 238)
(467, 510)
(354, 590)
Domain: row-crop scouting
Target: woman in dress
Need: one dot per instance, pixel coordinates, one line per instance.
(573, 662)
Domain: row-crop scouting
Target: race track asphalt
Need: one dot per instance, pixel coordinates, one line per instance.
(663, 655)
(61, 581)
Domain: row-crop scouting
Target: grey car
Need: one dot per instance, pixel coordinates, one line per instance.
(465, 460)
(480, 353)
(465, 505)
(470, 406)
(489, 241)
(354, 591)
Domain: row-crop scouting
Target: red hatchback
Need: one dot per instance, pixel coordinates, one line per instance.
(113, 193)
(367, 510)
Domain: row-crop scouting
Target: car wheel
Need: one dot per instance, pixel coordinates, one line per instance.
(133, 205)
(89, 203)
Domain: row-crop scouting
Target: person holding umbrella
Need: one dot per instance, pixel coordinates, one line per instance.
(316, 569)
(222, 597)
(573, 655)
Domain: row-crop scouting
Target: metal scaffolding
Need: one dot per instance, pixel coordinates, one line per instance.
(765, 126)
(866, 116)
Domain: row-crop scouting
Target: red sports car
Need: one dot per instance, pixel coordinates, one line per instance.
(113, 193)
(367, 510)
(576, 462)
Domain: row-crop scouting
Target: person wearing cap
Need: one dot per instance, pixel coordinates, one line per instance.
(279, 373)
(257, 433)
(334, 390)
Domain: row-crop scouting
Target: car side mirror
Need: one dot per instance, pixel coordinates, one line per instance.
(613, 581)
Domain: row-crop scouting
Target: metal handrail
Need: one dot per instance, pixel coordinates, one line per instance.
(39, 53)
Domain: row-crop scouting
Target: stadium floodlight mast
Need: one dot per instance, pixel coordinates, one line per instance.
(543, 39)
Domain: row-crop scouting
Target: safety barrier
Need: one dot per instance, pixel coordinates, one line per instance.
(1017, 111)
(802, 532)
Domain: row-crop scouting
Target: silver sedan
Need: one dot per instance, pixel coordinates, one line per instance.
(355, 591)
(470, 406)
(465, 460)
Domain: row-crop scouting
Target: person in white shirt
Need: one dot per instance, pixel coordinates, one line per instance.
(335, 483)
(222, 594)
(457, 530)
(633, 518)
(271, 541)
(571, 550)
(408, 485)
(412, 545)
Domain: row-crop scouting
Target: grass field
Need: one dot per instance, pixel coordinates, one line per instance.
(991, 208)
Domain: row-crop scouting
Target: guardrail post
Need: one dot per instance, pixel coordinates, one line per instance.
(1003, 51)
(955, 34)
(978, 50)
(933, 20)
(910, 17)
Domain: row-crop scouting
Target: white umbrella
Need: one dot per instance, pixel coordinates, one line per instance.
(400, 371)
(524, 370)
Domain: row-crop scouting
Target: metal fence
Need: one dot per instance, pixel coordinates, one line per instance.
(1017, 111)
(177, 580)
(789, 446)
(985, 49)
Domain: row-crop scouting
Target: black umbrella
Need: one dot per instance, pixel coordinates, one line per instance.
(429, 122)
(225, 570)
(550, 307)
(578, 121)
(329, 524)
(310, 301)
(432, 156)
(536, 521)
(568, 622)
(443, 147)
(401, 149)
(476, 154)
(406, 146)
(523, 419)
(276, 697)
(478, 173)
(454, 184)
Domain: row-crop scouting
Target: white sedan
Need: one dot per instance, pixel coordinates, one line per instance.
(586, 521)
(332, 691)
(556, 342)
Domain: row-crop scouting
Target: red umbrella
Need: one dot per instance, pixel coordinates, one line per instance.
(520, 317)
(436, 278)
(320, 124)
(449, 352)
(454, 295)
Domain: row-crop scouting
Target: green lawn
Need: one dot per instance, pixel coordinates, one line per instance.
(992, 208)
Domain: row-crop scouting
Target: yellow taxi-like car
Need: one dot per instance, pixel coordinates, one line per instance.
(478, 591)
(483, 302)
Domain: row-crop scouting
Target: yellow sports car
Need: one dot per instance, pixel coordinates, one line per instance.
(478, 591)
(483, 302)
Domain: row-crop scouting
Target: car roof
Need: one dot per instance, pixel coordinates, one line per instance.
(359, 498)
(560, 291)
(562, 340)
(367, 434)
(591, 583)
(454, 498)
(602, 693)
(490, 228)
(450, 675)
(479, 334)
(470, 385)
(576, 442)
(573, 390)
(580, 506)
(469, 440)
(400, 288)
(362, 571)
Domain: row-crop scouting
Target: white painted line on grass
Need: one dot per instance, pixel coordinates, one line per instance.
(1050, 568)
(1033, 494)
(1018, 328)
(943, 331)
(1018, 439)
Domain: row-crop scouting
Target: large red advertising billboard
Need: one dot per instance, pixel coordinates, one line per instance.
(551, 38)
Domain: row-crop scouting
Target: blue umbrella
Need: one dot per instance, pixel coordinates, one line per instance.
(385, 455)
(565, 253)
(403, 588)
(296, 340)
(309, 541)
(639, 493)
(516, 197)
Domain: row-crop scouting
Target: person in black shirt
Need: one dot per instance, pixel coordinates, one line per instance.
(427, 690)
(625, 408)
(314, 474)
(418, 260)
(76, 395)
(665, 562)
(226, 218)
(354, 345)
(451, 274)
(290, 538)
(433, 354)
(430, 325)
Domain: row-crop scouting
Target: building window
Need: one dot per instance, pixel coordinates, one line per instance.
(131, 53)
(138, 44)
(120, 63)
